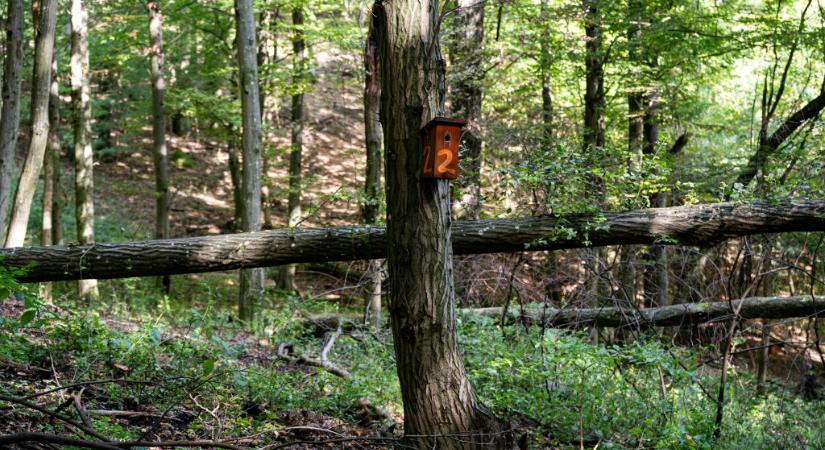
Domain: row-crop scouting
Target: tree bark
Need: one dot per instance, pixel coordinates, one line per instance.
(159, 152)
(251, 290)
(440, 407)
(55, 151)
(236, 174)
(635, 132)
(83, 155)
(467, 55)
(700, 225)
(374, 137)
(41, 81)
(666, 316)
(594, 81)
(10, 116)
(296, 150)
(50, 233)
(553, 287)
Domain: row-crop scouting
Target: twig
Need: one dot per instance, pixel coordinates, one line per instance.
(57, 416)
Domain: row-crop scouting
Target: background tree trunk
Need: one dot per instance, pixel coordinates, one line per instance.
(635, 132)
(553, 287)
(296, 151)
(236, 174)
(55, 152)
(41, 82)
(49, 231)
(437, 396)
(373, 198)
(10, 116)
(159, 152)
(83, 155)
(251, 290)
(467, 57)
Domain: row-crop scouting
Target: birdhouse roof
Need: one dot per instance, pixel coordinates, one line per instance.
(443, 121)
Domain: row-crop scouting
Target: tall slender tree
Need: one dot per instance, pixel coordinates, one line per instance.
(159, 151)
(50, 231)
(41, 82)
(553, 287)
(296, 150)
(83, 155)
(440, 407)
(635, 133)
(467, 55)
(594, 132)
(251, 289)
(10, 116)
(373, 197)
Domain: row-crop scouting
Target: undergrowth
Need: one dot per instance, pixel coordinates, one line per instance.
(191, 359)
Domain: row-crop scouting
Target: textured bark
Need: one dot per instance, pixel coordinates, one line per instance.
(55, 150)
(673, 315)
(83, 155)
(41, 81)
(700, 225)
(635, 131)
(467, 58)
(267, 56)
(251, 289)
(10, 116)
(50, 219)
(374, 138)
(297, 148)
(159, 151)
(439, 404)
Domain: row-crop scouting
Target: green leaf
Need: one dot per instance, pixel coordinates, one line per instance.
(208, 367)
(27, 317)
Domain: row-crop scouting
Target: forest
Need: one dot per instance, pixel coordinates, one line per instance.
(412, 224)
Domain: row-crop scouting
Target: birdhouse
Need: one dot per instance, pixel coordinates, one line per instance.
(440, 139)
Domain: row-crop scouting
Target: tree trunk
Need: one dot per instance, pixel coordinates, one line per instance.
(10, 116)
(594, 139)
(439, 403)
(55, 150)
(236, 174)
(83, 155)
(41, 82)
(295, 154)
(635, 132)
(373, 198)
(701, 225)
(159, 152)
(665, 316)
(467, 54)
(267, 55)
(251, 290)
(553, 288)
(50, 229)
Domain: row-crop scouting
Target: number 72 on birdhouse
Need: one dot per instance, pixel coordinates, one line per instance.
(440, 140)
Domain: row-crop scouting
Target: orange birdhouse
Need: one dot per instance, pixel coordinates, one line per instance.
(441, 138)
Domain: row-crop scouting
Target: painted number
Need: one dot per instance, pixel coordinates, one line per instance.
(443, 166)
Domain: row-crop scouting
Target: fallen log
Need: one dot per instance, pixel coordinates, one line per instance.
(698, 225)
(673, 315)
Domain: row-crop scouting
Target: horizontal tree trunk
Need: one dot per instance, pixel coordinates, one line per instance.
(687, 225)
(674, 315)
